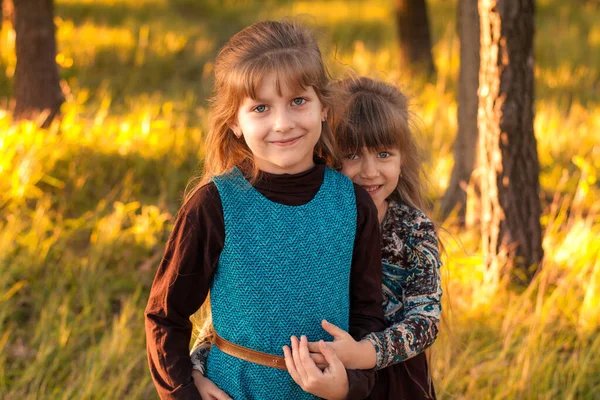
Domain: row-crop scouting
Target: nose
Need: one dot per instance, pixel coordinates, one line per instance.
(369, 168)
(283, 121)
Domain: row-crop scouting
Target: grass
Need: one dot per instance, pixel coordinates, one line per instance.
(86, 207)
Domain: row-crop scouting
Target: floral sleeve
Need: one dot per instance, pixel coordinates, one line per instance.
(199, 355)
(412, 289)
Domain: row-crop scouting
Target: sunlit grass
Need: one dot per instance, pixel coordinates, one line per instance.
(86, 206)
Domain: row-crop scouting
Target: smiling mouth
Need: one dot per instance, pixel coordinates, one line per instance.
(288, 142)
(371, 189)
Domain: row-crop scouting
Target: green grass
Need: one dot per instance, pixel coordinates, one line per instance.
(86, 207)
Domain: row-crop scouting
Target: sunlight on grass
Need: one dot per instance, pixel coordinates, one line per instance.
(347, 12)
(86, 206)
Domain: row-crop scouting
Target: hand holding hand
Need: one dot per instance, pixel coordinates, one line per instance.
(208, 390)
(353, 354)
(331, 383)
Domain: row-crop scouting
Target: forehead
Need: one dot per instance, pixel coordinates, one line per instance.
(278, 85)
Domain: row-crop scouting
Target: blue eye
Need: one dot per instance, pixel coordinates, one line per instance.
(298, 101)
(260, 108)
(352, 156)
(383, 154)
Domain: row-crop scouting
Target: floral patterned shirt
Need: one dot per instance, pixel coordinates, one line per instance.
(412, 289)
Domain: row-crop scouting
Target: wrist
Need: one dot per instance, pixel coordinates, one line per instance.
(341, 396)
(197, 374)
(368, 354)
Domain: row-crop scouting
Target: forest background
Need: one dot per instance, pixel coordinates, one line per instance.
(87, 205)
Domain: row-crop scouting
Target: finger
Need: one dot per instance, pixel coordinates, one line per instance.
(333, 330)
(297, 360)
(330, 356)
(309, 365)
(322, 367)
(207, 389)
(313, 347)
(291, 367)
(318, 359)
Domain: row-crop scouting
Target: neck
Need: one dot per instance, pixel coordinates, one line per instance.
(381, 210)
(276, 170)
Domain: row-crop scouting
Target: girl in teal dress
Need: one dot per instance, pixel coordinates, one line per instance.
(281, 240)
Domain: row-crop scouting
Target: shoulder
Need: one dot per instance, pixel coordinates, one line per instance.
(340, 183)
(203, 205)
(337, 178)
(408, 221)
(365, 208)
(407, 230)
(363, 199)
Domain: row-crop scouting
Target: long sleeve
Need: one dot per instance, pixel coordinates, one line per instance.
(366, 314)
(415, 315)
(180, 287)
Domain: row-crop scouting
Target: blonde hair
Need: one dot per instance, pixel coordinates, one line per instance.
(291, 52)
(374, 115)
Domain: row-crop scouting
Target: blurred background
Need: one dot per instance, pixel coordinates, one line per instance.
(88, 193)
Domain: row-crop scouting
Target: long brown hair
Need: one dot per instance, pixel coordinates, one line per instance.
(290, 51)
(374, 115)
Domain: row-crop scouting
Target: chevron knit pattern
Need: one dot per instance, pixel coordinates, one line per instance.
(282, 270)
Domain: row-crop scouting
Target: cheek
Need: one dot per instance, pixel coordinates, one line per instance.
(392, 175)
(318, 127)
(351, 170)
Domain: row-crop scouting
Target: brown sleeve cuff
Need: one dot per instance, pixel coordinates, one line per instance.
(186, 391)
(360, 383)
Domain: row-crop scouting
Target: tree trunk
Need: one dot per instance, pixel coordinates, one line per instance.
(37, 85)
(508, 161)
(468, 82)
(413, 36)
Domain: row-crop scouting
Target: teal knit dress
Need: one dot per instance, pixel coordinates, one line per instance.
(282, 270)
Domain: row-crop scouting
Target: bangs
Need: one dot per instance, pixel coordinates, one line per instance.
(370, 123)
(294, 69)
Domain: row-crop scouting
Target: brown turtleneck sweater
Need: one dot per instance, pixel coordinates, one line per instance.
(191, 256)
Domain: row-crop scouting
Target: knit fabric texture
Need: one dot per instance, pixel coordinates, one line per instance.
(282, 270)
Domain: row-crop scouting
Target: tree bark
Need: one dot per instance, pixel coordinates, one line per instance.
(37, 84)
(414, 38)
(466, 135)
(508, 160)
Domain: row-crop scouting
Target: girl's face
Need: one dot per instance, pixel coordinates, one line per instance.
(376, 171)
(281, 129)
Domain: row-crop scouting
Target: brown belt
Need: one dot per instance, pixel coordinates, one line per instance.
(246, 354)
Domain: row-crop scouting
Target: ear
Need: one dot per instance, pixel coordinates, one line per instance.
(236, 129)
(324, 112)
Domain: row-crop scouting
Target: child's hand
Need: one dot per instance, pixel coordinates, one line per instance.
(208, 390)
(353, 354)
(331, 383)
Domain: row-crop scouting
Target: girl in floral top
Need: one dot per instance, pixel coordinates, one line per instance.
(373, 133)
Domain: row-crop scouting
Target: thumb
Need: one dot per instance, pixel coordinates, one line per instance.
(333, 330)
